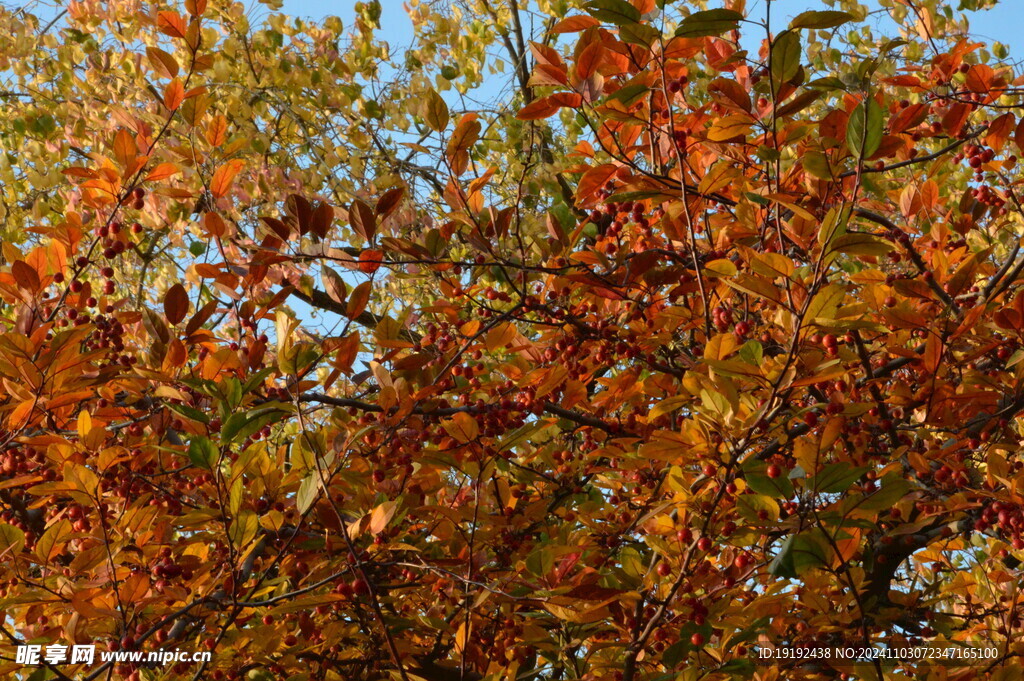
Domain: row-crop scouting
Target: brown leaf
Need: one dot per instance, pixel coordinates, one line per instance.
(362, 219)
(321, 220)
(358, 300)
(176, 304)
(389, 201)
(25, 276)
(334, 285)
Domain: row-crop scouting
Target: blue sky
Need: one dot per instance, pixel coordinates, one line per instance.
(1002, 23)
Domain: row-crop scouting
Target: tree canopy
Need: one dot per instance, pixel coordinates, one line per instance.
(613, 340)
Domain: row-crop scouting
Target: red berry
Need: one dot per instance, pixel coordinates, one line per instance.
(774, 471)
(697, 639)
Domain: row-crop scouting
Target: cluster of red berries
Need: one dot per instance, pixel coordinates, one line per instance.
(1007, 518)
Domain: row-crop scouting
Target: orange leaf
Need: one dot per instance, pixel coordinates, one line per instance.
(592, 181)
(225, 175)
(172, 24)
(214, 224)
(999, 131)
(161, 172)
(216, 132)
(174, 94)
(575, 24)
(589, 60)
(347, 351)
(124, 148)
(932, 353)
(370, 260)
(537, 109)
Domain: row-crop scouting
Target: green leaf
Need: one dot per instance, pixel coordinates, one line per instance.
(540, 562)
(816, 163)
(820, 20)
(232, 389)
(243, 424)
(828, 83)
(778, 488)
(202, 452)
(864, 130)
(627, 94)
(834, 225)
(755, 473)
(809, 551)
(862, 244)
(752, 353)
(618, 12)
(12, 541)
(836, 477)
(782, 564)
(709, 23)
(639, 34)
(191, 413)
(798, 554)
(892, 489)
(785, 58)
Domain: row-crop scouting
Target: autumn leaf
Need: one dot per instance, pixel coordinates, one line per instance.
(224, 176)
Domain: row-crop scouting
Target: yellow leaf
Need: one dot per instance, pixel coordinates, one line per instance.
(84, 423)
(53, 540)
(500, 336)
(729, 127)
(381, 516)
(721, 346)
(462, 427)
(461, 636)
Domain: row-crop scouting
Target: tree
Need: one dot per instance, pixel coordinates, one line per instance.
(700, 335)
